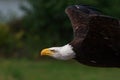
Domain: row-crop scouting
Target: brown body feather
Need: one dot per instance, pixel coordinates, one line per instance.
(96, 37)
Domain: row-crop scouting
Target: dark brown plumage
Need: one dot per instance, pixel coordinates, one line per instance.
(96, 37)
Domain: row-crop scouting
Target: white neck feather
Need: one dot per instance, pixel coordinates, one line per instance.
(67, 50)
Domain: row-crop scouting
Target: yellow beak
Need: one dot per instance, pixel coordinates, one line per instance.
(46, 52)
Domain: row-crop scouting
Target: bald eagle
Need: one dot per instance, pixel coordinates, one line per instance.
(96, 38)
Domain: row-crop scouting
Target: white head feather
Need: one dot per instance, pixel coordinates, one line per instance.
(64, 53)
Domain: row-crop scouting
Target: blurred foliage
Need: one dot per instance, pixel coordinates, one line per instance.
(45, 25)
(4, 33)
(9, 42)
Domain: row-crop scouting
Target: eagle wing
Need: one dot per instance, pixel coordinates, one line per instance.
(96, 37)
(79, 17)
(101, 45)
(107, 28)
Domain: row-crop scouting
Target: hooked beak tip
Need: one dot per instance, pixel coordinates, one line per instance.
(46, 52)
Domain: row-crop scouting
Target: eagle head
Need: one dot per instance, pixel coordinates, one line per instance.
(63, 53)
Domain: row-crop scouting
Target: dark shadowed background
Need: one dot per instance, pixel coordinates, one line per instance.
(27, 26)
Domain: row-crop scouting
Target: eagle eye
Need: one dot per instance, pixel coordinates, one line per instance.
(53, 50)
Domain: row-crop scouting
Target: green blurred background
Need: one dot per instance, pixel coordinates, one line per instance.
(45, 24)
